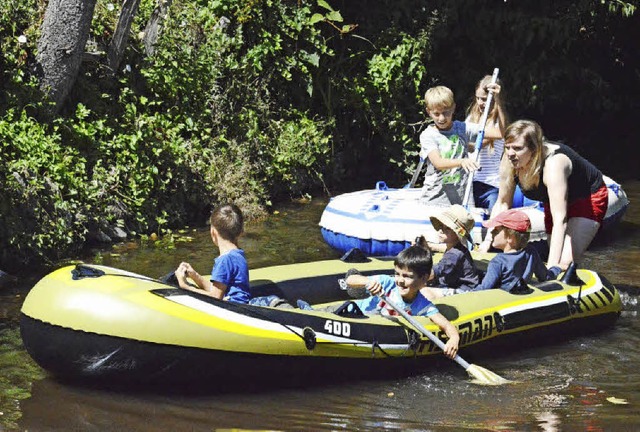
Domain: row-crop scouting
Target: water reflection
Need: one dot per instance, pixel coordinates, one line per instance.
(560, 387)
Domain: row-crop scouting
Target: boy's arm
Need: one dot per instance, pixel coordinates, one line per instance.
(539, 269)
(441, 163)
(451, 347)
(357, 280)
(217, 289)
(212, 292)
(370, 283)
(491, 278)
(202, 284)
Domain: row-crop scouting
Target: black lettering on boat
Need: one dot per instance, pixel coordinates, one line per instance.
(477, 331)
(497, 318)
(465, 332)
(488, 328)
(424, 343)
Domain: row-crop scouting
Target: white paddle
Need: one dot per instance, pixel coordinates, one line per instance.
(416, 173)
(480, 137)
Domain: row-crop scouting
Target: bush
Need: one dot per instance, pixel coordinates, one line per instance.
(43, 192)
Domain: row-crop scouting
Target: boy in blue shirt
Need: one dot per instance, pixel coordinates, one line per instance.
(229, 279)
(412, 269)
(519, 260)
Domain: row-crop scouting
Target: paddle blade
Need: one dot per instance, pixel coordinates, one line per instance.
(484, 376)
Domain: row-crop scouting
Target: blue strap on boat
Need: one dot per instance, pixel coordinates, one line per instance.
(381, 186)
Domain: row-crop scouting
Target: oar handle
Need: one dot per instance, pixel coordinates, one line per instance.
(485, 113)
(480, 136)
(414, 323)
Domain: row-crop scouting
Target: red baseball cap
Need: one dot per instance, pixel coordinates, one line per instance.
(513, 218)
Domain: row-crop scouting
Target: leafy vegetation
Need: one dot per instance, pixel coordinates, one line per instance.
(18, 373)
(265, 100)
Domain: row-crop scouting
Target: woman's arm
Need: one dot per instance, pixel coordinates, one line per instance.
(555, 177)
(505, 198)
(506, 189)
(492, 132)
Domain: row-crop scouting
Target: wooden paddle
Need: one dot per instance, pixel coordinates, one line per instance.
(480, 137)
(479, 374)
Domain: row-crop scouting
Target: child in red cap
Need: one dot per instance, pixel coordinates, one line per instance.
(519, 261)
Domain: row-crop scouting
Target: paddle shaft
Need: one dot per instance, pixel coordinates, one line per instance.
(415, 324)
(416, 173)
(480, 137)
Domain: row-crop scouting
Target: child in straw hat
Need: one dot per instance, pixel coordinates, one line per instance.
(456, 270)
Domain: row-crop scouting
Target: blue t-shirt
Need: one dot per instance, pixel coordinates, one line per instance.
(232, 270)
(373, 304)
(456, 269)
(506, 269)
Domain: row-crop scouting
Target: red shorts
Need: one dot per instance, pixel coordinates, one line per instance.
(593, 207)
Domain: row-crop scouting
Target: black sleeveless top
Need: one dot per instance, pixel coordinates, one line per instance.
(584, 179)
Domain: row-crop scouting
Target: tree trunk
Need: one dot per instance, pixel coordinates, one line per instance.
(152, 30)
(119, 41)
(65, 31)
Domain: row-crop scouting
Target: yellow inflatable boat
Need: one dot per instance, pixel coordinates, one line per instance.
(97, 322)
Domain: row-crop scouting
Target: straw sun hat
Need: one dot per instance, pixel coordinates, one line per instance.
(458, 219)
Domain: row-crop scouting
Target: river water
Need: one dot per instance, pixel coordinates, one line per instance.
(573, 386)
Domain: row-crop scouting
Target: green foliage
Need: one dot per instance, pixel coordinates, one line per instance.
(191, 126)
(18, 373)
(301, 151)
(42, 190)
(392, 75)
(18, 35)
(263, 100)
(627, 9)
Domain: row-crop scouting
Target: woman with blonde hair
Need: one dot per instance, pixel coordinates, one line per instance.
(572, 189)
